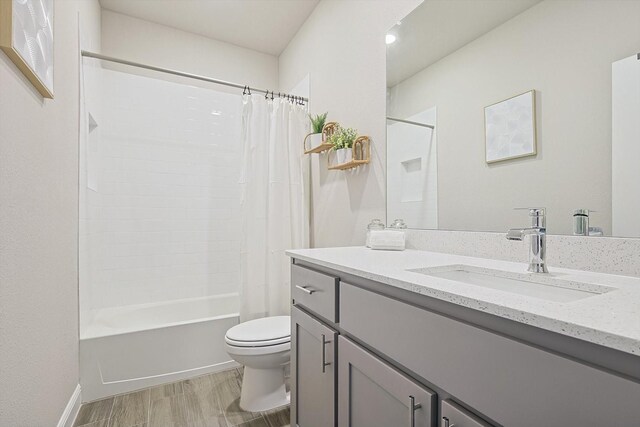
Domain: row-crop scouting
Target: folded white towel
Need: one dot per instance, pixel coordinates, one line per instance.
(388, 240)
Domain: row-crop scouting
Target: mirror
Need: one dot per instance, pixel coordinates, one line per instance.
(498, 104)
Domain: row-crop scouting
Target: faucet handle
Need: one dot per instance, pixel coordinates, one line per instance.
(533, 211)
(538, 218)
(583, 212)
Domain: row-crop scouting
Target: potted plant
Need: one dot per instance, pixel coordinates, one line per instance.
(342, 141)
(317, 124)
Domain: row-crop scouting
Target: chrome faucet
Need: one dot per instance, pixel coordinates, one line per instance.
(538, 233)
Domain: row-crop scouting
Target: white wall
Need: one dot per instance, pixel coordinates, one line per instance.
(341, 46)
(39, 223)
(149, 43)
(563, 50)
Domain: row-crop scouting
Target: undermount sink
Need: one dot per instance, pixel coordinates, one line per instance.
(542, 286)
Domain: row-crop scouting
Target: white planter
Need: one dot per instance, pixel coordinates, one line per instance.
(315, 140)
(344, 155)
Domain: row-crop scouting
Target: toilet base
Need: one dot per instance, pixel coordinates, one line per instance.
(263, 389)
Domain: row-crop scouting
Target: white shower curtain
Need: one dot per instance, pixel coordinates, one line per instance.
(274, 203)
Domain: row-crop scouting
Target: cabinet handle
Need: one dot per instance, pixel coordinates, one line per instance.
(306, 289)
(412, 407)
(324, 362)
(446, 422)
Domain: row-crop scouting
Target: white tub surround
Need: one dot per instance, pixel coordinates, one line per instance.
(610, 319)
(133, 347)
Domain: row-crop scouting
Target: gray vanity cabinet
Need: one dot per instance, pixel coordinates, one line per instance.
(398, 362)
(511, 382)
(313, 371)
(371, 393)
(455, 416)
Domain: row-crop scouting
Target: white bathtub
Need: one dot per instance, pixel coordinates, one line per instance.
(128, 348)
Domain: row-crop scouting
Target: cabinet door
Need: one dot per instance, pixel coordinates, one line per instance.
(313, 373)
(456, 416)
(371, 393)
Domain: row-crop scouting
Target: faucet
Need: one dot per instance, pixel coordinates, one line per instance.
(538, 233)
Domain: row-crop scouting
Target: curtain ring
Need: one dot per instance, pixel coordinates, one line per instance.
(249, 90)
(244, 90)
(266, 95)
(272, 95)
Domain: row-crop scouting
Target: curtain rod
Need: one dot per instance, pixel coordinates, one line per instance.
(183, 74)
(393, 119)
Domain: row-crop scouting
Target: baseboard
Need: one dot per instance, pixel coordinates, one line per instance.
(71, 410)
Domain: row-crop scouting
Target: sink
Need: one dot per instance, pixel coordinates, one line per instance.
(542, 286)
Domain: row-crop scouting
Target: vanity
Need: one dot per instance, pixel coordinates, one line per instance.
(427, 339)
(491, 106)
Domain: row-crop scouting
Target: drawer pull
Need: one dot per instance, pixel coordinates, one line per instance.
(324, 360)
(412, 407)
(306, 289)
(446, 422)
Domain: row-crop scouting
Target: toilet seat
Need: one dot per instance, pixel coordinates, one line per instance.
(267, 343)
(265, 332)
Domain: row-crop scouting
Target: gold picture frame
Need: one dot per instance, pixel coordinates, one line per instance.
(26, 37)
(499, 146)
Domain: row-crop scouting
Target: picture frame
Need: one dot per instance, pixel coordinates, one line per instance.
(26, 37)
(510, 128)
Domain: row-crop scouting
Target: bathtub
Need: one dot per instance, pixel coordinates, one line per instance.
(133, 347)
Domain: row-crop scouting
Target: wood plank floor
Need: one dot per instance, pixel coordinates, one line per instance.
(207, 401)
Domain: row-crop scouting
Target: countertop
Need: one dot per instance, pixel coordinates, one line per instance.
(610, 319)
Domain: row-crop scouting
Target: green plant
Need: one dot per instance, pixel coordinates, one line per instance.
(343, 138)
(317, 122)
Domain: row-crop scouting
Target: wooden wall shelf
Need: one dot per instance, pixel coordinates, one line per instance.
(327, 130)
(361, 153)
(319, 149)
(349, 165)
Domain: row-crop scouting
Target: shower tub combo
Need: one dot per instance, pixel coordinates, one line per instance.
(133, 347)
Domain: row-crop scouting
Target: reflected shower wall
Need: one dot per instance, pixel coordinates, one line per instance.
(412, 171)
(159, 192)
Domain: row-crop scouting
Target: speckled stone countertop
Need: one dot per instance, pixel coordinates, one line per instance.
(611, 319)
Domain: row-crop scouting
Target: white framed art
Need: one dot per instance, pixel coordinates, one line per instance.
(510, 128)
(26, 36)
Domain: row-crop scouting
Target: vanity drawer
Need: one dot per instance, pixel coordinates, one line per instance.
(454, 416)
(508, 381)
(317, 292)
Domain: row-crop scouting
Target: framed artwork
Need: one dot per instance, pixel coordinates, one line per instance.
(26, 36)
(510, 128)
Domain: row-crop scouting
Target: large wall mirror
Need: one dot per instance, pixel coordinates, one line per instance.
(498, 104)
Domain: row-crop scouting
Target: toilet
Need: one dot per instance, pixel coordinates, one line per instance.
(263, 347)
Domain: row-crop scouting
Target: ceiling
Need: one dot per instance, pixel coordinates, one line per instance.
(263, 25)
(437, 28)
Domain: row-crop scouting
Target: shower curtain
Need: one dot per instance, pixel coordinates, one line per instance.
(274, 202)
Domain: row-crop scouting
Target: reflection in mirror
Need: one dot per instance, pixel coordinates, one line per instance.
(412, 170)
(575, 151)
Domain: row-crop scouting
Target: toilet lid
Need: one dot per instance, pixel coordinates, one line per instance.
(260, 332)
